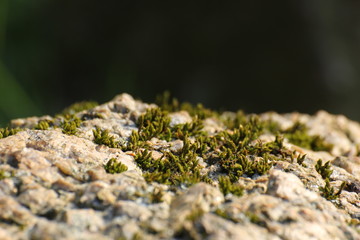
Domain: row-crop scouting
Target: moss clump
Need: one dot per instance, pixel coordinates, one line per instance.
(79, 106)
(5, 132)
(157, 195)
(239, 155)
(44, 125)
(193, 128)
(91, 115)
(298, 135)
(103, 137)
(195, 214)
(174, 169)
(300, 159)
(234, 149)
(328, 191)
(255, 219)
(226, 187)
(70, 124)
(113, 166)
(324, 170)
(154, 123)
(4, 174)
(170, 104)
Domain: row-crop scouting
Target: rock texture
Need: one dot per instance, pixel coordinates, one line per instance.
(54, 185)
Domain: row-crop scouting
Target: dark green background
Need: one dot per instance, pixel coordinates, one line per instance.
(255, 55)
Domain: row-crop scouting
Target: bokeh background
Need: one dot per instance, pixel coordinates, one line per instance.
(257, 56)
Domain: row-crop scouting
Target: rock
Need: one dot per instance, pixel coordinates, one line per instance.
(11, 211)
(215, 227)
(200, 197)
(84, 219)
(289, 187)
(181, 117)
(55, 186)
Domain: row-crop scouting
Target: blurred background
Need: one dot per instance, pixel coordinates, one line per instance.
(252, 55)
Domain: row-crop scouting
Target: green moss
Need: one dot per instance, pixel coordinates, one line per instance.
(113, 166)
(226, 187)
(233, 121)
(255, 218)
(298, 135)
(328, 191)
(300, 159)
(44, 125)
(5, 132)
(324, 170)
(193, 128)
(103, 137)
(195, 214)
(70, 124)
(181, 168)
(157, 195)
(237, 149)
(4, 174)
(79, 106)
(156, 123)
(91, 115)
(170, 104)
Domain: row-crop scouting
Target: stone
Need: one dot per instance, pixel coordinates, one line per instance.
(201, 197)
(55, 186)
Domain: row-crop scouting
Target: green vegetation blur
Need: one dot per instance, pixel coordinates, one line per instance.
(256, 56)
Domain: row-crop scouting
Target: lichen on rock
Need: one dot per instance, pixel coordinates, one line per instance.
(130, 170)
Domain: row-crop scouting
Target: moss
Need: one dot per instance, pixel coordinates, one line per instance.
(167, 103)
(221, 213)
(79, 106)
(193, 128)
(91, 115)
(103, 137)
(195, 214)
(328, 191)
(44, 125)
(113, 166)
(179, 168)
(4, 174)
(5, 132)
(300, 159)
(237, 151)
(298, 135)
(156, 196)
(255, 219)
(70, 124)
(226, 187)
(154, 123)
(324, 170)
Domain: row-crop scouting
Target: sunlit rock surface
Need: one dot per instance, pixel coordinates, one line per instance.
(54, 185)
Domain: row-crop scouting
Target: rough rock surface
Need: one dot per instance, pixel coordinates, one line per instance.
(54, 185)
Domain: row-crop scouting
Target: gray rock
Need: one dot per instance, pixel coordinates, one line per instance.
(54, 186)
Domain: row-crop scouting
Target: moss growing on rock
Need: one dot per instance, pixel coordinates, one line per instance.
(103, 137)
(5, 132)
(79, 106)
(226, 186)
(298, 135)
(70, 124)
(113, 166)
(44, 125)
(324, 170)
(328, 191)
